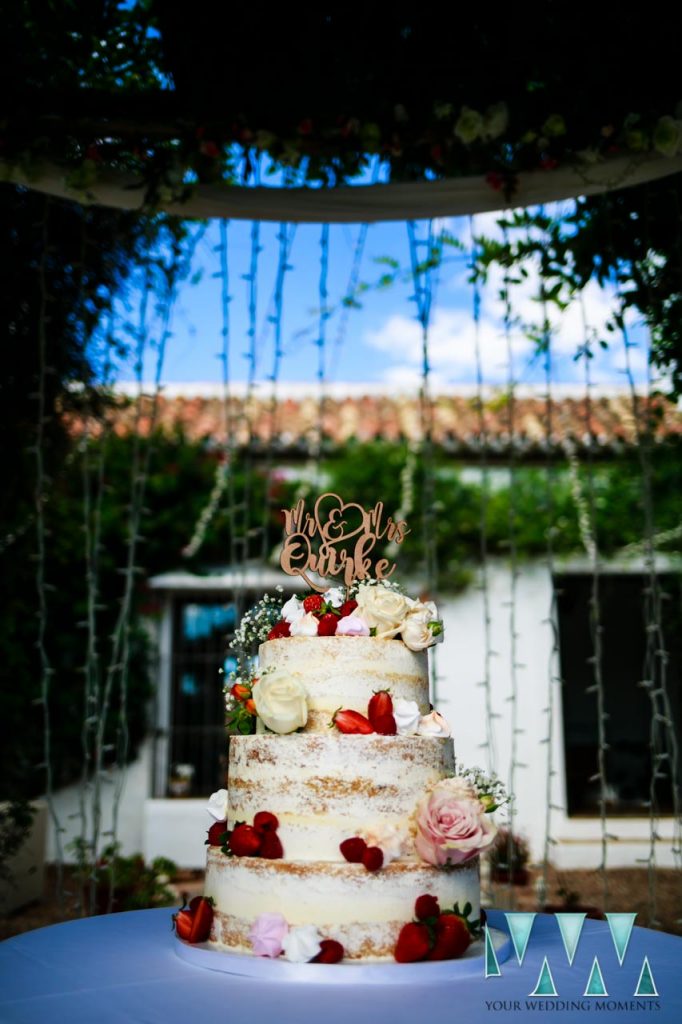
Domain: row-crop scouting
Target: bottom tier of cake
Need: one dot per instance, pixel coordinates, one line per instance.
(362, 910)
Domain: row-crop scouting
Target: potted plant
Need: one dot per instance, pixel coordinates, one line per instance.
(22, 853)
(508, 857)
(115, 883)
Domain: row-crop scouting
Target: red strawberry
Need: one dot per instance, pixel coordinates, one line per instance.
(413, 943)
(244, 841)
(426, 906)
(202, 920)
(240, 692)
(271, 846)
(313, 603)
(216, 832)
(379, 706)
(452, 938)
(351, 722)
(347, 608)
(331, 952)
(326, 626)
(264, 821)
(373, 858)
(183, 923)
(353, 849)
(385, 725)
(280, 629)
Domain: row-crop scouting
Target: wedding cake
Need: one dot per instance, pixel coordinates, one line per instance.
(347, 830)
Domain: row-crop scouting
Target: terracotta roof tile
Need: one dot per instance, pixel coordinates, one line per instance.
(292, 423)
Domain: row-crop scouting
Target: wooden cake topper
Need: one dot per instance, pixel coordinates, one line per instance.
(336, 540)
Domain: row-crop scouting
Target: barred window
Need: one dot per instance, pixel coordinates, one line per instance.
(626, 702)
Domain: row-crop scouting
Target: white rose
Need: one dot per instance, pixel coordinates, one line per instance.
(407, 716)
(301, 944)
(280, 700)
(433, 725)
(335, 596)
(217, 805)
(422, 627)
(388, 838)
(382, 609)
(667, 135)
(305, 626)
(495, 121)
(469, 125)
(293, 610)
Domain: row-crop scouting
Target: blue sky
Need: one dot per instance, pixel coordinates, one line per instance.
(381, 343)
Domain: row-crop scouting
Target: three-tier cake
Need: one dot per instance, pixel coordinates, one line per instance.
(347, 830)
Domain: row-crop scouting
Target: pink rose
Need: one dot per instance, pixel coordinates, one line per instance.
(267, 934)
(352, 625)
(452, 826)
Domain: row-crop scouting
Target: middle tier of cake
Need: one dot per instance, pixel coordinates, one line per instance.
(327, 788)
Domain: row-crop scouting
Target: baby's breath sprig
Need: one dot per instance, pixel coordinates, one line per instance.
(371, 582)
(490, 788)
(255, 626)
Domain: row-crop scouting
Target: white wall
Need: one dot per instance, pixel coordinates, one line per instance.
(461, 670)
(137, 787)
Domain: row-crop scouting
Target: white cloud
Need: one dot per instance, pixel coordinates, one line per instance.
(451, 344)
(452, 338)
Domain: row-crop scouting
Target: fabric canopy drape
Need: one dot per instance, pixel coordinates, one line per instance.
(360, 203)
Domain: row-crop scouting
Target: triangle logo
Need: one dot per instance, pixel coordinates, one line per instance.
(520, 926)
(545, 984)
(646, 986)
(620, 926)
(492, 967)
(595, 984)
(570, 926)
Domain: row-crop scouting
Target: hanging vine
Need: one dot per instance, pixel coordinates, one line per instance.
(554, 662)
(224, 474)
(116, 676)
(655, 668)
(484, 586)
(514, 665)
(285, 238)
(93, 495)
(243, 535)
(596, 628)
(42, 585)
(425, 256)
(321, 342)
(349, 300)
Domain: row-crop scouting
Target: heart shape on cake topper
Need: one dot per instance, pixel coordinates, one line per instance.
(331, 541)
(334, 518)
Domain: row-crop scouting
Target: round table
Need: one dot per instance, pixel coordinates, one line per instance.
(125, 968)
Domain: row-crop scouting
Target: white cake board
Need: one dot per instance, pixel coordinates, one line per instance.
(264, 968)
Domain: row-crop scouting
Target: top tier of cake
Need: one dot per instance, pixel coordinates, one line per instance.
(340, 671)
